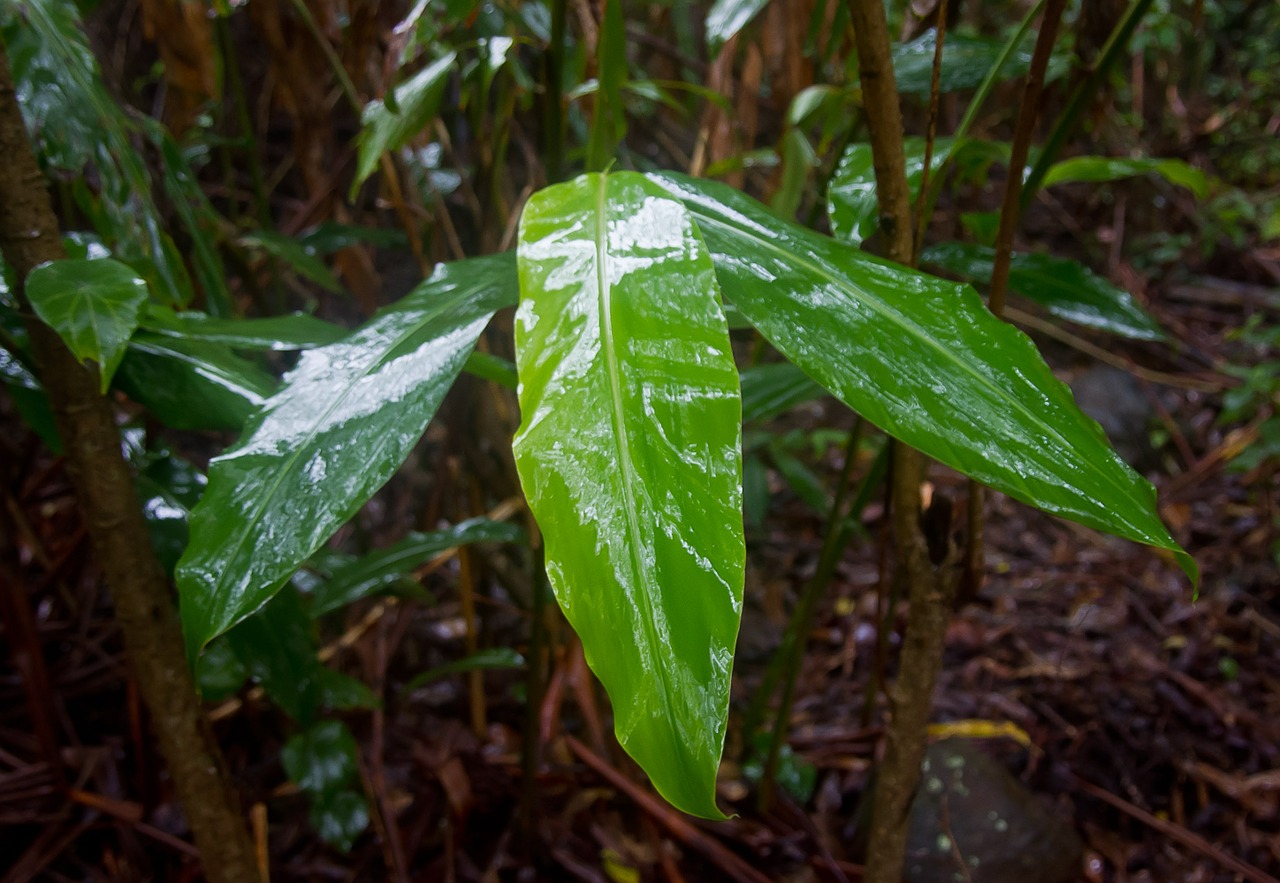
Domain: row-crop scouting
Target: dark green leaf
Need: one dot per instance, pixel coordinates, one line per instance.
(220, 673)
(296, 255)
(609, 121)
(418, 99)
(771, 390)
(330, 236)
(278, 648)
(321, 759)
(190, 384)
(924, 360)
(380, 570)
(298, 331)
(494, 658)
(965, 62)
(339, 818)
(629, 454)
(93, 305)
(345, 420)
(1064, 287)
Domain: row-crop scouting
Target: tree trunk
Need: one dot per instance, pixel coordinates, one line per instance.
(29, 236)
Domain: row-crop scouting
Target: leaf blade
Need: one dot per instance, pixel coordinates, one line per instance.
(344, 421)
(629, 453)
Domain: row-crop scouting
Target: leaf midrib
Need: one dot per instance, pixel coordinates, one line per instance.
(914, 331)
(622, 441)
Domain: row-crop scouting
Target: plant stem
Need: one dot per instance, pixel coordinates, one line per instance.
(797, 635)
(1080, 97)
(108, 498)
(974, 559)
(929, 590)
(553, 110)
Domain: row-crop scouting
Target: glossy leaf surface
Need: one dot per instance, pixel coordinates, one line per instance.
(771, 390)
(851, 196)
(1100, 169)
(382, 569)
(93, 305)
(416, 101)
(192, 384)
(1065, 288)
(924, 360)
(298, 331)
(344, 421)
(629, 454)
(727, 17)
(965, 62)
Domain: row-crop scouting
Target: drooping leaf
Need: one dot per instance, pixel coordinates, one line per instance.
(965, 62)
(192, 384)
(321, 761)
(417, 99)
(727, 17)
(346, 418)
(1065, 288)
(297, 331)
(30, 400)
(925, 361)
(382, 569)
(93, 305)
(1100, 169)
(629, 454)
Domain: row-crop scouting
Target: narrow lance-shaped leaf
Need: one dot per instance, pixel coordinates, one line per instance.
(345, 420)
(94, 305)
(630, 456)
(851, 197)
(1065, 288)
(924, 360)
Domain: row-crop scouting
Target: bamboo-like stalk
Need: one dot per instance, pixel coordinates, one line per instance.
(928, 589)
(29, 236)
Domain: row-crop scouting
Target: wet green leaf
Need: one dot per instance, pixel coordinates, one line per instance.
(220, 673)
(93, 305)
(727, 17)
(629, 454)
(851, 196)
(340, 817)
(298, 331)
(382, 569)
(418, 99)
(1065, 288)
(965, 62)
(925, 361)
(192, 384)
(345, 420)
(1100, 169)
(321, 759)
(608, 120)
(771, 390)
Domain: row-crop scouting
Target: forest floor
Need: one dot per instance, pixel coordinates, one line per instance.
(1145, 719)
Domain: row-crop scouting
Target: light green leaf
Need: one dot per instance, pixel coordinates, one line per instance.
(94, 305)
(727, 17)
(1100, 169)
(192, 384)
(629, 454)
(925, 361)
(345, 420)
(418, 99)
(1065, 288)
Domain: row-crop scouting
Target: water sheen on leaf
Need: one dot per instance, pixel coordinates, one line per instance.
(344, 421)
(630, 456)
(925, 361)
